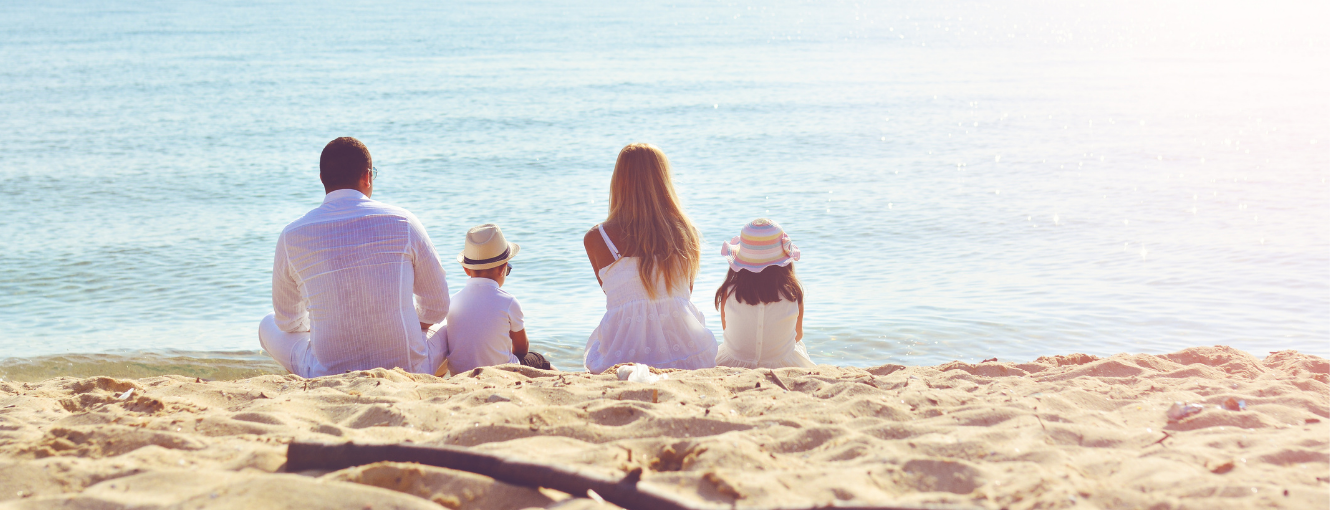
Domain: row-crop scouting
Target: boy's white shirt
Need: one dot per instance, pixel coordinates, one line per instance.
(480, 317)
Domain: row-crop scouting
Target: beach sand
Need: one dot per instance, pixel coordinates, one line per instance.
(1072, 431)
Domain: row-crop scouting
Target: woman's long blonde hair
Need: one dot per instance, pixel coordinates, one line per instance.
(653, 226)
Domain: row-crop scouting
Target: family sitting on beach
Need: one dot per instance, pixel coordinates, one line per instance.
(357, 284)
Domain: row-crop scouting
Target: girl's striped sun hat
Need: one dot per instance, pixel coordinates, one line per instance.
(762, 244)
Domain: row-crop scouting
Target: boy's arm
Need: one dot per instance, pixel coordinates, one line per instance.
(517, 329)
(520, 343)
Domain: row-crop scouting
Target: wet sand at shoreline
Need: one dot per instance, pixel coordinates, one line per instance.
(1069, 431)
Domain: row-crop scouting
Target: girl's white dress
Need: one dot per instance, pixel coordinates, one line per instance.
(761, 336)
(665, 332)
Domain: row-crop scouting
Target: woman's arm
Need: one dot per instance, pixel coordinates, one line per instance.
(597, 252)
(798, 325)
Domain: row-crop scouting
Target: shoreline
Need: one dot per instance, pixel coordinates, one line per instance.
(1063, 431)
(213, 365)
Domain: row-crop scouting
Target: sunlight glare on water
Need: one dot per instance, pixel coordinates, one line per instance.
(965, 180)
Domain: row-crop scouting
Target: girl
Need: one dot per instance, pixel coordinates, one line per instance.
(761, 302)
(645, 256)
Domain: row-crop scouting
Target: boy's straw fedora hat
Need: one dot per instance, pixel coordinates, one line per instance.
(486, 248)
(760, 245)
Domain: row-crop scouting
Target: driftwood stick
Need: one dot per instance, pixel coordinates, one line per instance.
(302, 456)
(625, 492)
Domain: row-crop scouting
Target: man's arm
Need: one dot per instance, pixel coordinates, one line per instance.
(430, 287)
(289, 308)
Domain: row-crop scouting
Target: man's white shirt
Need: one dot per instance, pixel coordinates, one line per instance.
(347, 272)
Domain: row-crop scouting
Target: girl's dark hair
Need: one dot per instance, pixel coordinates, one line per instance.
(773, 284)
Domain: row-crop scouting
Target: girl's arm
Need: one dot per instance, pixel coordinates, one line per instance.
(798, 325)
(722, 312)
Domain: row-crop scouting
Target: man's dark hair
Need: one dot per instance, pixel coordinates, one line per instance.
(344, 161)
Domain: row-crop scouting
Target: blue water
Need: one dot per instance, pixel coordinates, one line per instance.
(966, 179)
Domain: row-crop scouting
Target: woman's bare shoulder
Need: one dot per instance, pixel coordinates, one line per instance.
(596, 249)
(593, 232)
(592, 238)
(610, 229)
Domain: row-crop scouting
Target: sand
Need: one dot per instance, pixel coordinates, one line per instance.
(1071, 431)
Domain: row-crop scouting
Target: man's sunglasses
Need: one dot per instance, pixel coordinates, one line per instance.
(508, 271)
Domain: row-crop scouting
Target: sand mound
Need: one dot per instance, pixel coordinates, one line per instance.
(1059, 432)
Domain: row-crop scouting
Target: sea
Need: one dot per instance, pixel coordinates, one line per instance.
(966, 180)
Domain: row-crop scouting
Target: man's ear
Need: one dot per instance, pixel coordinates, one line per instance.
(367, 182)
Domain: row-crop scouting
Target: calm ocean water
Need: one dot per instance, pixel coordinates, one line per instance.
(966, 179)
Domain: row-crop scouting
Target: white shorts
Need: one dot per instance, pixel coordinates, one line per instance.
(293, 352)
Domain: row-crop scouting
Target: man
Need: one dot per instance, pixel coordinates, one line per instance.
(344, 276)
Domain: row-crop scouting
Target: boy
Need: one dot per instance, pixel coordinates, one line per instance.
(484, 323)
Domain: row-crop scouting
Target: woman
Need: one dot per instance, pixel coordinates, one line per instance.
(645, 256)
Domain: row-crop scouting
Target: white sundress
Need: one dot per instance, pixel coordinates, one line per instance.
(665, 332)
(761, 336)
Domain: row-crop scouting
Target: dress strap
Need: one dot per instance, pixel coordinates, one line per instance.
(608, 243)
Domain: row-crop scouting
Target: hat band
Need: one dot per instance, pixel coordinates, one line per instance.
(468, 260)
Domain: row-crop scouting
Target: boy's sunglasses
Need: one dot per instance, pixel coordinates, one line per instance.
(508, 271)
